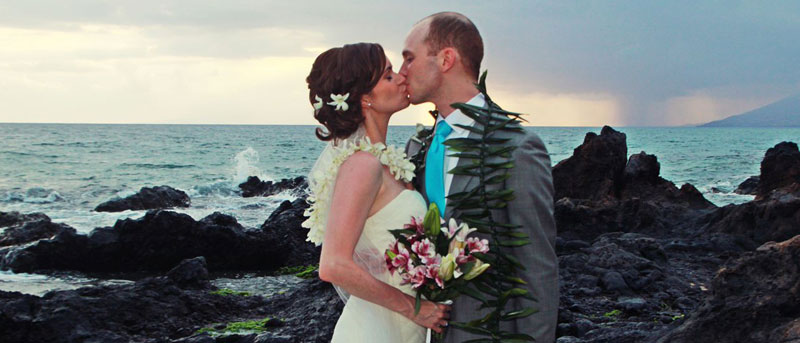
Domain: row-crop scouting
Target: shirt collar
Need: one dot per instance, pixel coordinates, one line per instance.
(457, 117)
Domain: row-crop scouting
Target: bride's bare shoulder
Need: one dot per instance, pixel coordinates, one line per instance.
(361, 164)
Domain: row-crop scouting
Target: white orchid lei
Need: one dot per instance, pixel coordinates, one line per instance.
(324, 180)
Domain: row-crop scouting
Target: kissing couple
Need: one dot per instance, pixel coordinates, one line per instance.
(362, 189)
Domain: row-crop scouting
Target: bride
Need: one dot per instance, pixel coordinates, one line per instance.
(359, 191)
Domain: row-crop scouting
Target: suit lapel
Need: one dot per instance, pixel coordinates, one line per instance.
(421, 175)
(419, 171)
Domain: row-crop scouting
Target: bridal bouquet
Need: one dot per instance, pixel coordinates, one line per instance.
(438, 260)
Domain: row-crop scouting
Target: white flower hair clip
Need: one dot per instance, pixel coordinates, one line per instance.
(318, 104)
(339, 101)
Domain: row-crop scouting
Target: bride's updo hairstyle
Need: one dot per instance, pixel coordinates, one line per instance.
(354, 69)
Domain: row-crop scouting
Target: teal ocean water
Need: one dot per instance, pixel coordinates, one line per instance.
(65, 170)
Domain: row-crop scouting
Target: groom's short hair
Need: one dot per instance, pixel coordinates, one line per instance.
(451, 29)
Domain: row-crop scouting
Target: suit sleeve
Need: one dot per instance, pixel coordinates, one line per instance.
(532, 209)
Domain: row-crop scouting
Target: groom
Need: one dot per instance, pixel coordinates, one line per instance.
(442, 57)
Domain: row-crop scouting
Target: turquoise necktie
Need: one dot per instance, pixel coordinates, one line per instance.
(434, 166)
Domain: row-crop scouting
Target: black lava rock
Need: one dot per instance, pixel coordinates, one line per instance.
(748, 186)
(159, 197)
(255, 187)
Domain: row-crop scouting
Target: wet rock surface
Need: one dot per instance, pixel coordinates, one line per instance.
(15, 218)
(780, 168)
(748, 186)
(774, 215)
(631, 197)
(254, 187)
(160, 239)
(638, 257)
(755, 298)
(148, 198)
(24, 228)
(594, 167)
(166, 309)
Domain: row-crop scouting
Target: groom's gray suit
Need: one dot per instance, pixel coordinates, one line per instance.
(532, 209)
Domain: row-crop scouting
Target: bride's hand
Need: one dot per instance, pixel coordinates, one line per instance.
(432, 315)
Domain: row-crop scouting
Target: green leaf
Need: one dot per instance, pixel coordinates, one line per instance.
(484, 257)
(514, 243)
(515, 234)
(498, 150)
(498, 179)
(483, 287)
(518, 314)
(470, 128)
(479, 117)
(514, 292)
(473, 293)
(464, 170)
(481, 111)
(495, 140)
(506, 194)
(501, 165)
(477, 223)
(484, 230)
(461, 148)
(467, 267)
(514, 279)
(507, 226)
(498, 205)
(463, 141)
(468, 155)
(513, 260)
(398, 232)
(468, 205)
(461, 195)
(498, 110)
(471, 329)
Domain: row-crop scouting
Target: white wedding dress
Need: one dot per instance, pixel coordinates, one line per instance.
(361, 320)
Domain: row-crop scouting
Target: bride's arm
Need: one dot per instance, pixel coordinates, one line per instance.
(357, 186)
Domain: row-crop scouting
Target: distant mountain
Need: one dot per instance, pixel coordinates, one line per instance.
(783, 113)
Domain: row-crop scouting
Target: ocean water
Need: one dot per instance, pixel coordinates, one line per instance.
(66, 170)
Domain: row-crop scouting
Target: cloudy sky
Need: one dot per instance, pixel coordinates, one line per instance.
(565, 63)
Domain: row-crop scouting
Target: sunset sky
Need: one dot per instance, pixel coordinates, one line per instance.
(564, 63)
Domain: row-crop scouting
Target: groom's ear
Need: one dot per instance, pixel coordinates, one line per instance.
(448, 57)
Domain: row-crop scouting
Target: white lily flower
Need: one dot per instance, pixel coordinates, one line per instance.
(339, 101)
(478, 269)
(318, 104)
(448, 267)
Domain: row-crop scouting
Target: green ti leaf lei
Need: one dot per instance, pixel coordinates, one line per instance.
(491, 163)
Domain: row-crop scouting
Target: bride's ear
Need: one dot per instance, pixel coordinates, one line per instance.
(365, 103)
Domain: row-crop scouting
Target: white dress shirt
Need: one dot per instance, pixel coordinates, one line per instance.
(456, 117)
